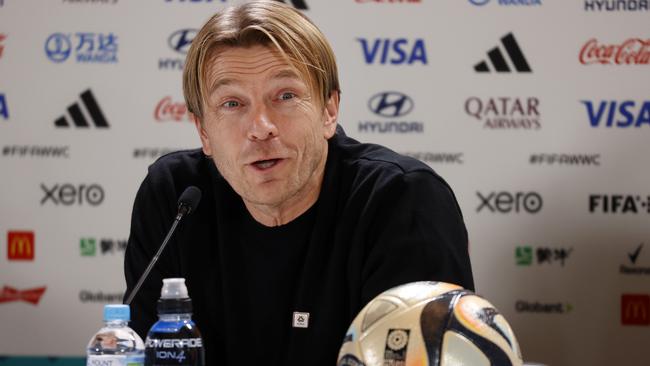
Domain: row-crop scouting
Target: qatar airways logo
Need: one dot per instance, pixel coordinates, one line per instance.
(633, 51)
(169, 110)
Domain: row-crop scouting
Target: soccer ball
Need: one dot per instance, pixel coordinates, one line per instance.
(429, 323)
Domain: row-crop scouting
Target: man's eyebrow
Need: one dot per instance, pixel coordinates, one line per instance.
(282, 74)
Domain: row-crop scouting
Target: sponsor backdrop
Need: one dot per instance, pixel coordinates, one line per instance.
(537, 112)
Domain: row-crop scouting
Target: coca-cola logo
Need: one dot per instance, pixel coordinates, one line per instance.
(634, 51)
(168, 110)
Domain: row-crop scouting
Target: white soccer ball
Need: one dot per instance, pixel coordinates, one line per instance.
(429, 323)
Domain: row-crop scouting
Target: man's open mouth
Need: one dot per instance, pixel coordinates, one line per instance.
(265, 164)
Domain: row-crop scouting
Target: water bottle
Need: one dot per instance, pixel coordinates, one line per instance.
(174, 339)
(115, 344)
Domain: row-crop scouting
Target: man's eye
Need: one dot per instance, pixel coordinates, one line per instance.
(287, 96)
(231, 104)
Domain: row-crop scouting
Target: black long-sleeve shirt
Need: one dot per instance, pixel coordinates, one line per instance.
(381, 220)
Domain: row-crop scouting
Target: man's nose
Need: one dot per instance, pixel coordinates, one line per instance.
(261, 126)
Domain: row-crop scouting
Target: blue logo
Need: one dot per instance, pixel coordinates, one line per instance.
(479, 2)
(627, 113)
(88, 47)
(181, 40)
(393, 51)
(391, 104)
(4, 110)
(58, 47)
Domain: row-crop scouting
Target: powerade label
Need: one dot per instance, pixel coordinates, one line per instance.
(174, 343)
(114, 360)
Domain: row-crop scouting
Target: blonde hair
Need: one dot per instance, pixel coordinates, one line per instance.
(263, 23)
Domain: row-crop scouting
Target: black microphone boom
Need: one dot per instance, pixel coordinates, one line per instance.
(187, 203)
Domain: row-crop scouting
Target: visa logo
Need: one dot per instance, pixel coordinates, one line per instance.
(393, 51)
(618, 114)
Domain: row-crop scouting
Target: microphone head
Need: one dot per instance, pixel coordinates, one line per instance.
(189, 199)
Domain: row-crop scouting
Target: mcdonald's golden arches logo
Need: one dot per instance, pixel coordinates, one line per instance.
(20, 245)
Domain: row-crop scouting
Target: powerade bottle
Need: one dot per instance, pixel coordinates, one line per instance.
(174, 339)
(115, 344)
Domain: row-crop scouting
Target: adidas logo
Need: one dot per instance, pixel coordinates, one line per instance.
(78, 118)
(498, 61)
(298, 4)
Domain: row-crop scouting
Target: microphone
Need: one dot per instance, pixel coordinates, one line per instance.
(187, 203)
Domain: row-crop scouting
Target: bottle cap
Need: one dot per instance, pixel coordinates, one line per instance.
(117, 312)
(173, 288)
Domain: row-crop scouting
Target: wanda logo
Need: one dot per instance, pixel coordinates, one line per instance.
(168, 110)
(634, 51)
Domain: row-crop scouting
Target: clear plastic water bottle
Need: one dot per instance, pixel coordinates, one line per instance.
(115, 344)
(174, 339)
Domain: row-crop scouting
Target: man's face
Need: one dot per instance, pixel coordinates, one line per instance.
(264, 127)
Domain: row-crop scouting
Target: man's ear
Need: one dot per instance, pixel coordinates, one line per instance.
(331, 114)
(205, 142)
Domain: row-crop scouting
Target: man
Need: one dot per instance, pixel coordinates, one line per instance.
(299, 226)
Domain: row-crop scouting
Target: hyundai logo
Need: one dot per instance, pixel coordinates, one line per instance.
(181, 40)
(391, 104)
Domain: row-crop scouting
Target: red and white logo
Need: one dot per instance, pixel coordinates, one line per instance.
(634, 51)
(20, 245)
(635, 309)
(2, 47)
(32, 295)
(168, 110)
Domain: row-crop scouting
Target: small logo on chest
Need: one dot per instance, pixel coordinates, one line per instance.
(300, 319)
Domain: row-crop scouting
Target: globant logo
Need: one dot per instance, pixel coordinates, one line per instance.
(505, 113)
(619, 204)
(391, 106)
(32, 295)
(507, 202)
(87, 47)
(179, 41)
(168, 110)
(4, 109)
(634, 268)
(618, 114)
(437, 157)
(616, 5)
(522, 306)
(633, 51)
(89, 296)
(398, 51)
(526, 255)
(91, 247)
(508, 2)
(564, 159)
(68, 194)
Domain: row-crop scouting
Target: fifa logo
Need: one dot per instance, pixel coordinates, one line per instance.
(20, 245)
